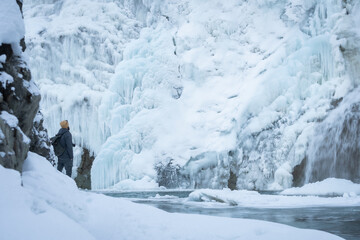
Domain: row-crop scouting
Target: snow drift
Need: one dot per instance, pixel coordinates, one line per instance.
(48, 205)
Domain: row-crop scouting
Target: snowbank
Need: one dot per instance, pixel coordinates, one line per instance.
(11, 23)
(254, 199)
(328, 187)
(30, 213)
(45, 204)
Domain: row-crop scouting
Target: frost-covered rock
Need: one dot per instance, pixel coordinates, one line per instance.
(168, 175)
(40, 142)
(14, 144)
(334, 150)
(83, 178)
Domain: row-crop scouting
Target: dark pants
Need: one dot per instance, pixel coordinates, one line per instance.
(67, 164)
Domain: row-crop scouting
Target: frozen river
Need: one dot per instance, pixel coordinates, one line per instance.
(341, 221)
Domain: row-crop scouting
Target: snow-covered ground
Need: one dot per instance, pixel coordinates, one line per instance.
(212, 86)
(45, 204)
(146, 82)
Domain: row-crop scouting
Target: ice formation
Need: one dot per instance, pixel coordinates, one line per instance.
(200, 88)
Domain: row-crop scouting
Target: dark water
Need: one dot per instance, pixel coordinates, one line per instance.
(341, 221)
(148, 194)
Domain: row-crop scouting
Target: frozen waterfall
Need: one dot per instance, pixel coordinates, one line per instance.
(335, 149)
(74, 48)
(187, 93)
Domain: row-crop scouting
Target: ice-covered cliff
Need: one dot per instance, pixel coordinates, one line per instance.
(194, 93)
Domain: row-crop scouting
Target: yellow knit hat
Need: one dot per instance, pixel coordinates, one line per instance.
(64, 124)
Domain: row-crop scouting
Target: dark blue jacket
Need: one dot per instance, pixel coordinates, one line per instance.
(66, 142)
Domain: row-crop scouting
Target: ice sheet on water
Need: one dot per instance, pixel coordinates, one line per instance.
(246, 198)
(158, 196)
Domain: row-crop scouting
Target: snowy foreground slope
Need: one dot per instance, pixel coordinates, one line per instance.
(45, 204)
(197, 89)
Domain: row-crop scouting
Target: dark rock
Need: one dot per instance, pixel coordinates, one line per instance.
(299, 173)
(6, 49)
(23, 44)
(14, 146)
(168, 174)
(232, 181)
(335, 102)
(83, 179)
(23, 103)
(20, 3)
(336, 152)
(19, 101)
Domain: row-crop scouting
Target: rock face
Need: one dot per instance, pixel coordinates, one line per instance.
(83, 179)
(232, 181)
(168, 174)
(338, 155)
(19, 104)
(40, 143)
(14, 145)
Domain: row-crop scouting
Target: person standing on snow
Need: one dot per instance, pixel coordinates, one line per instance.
(66, 158)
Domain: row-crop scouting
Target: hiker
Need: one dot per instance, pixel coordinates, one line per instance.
(66, 158)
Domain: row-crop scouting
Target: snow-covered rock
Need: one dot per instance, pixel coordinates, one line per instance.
(12, 28)
(19, 96)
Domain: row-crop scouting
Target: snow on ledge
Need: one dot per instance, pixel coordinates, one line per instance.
(327, 187)
(10, 119)
(11, 23)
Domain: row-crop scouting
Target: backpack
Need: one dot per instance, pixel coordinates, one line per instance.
(55, 142)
